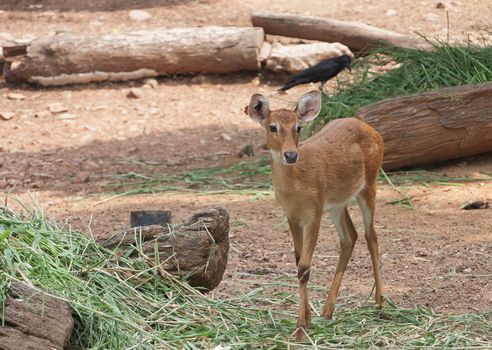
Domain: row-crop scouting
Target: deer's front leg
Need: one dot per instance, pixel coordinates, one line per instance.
(296, 231)
(310, 237)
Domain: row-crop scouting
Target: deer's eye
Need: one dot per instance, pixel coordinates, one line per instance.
(298, 129)
(273, 128)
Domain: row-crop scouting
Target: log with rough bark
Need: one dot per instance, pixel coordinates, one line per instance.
(196, 250)
(34, 320)
(67, 58)
(357, 36)
(431, 127)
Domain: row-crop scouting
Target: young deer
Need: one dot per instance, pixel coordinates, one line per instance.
(328, 170)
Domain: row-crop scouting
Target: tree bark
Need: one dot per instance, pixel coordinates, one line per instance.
(196, 250)
(66, 58)
(34, 321)
(431, 127)
(357, 36)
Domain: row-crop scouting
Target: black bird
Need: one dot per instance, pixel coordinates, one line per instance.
(321, 72)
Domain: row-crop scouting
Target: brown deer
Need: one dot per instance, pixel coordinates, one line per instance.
(327, 171)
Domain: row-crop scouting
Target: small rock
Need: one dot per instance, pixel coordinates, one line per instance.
(87, 139)
(440, 5)
(226, 136)
(294, 58)
(476, 205)
(13, 182)
(134, 93)
(15, 96)
(6, 115)
(152, 83)
(42, 114)
(391, 13)
(6, 36)
(431, 17)
(246, 151)
(82, 177)
(37, 184)
(57, 108)
(199, 79)
(467, 270)
(67, 116)
(139, 15)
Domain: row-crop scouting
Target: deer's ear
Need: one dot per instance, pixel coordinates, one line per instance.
(259, 107)
(309, 106)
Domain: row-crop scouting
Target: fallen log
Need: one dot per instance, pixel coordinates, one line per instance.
(196, 250)
(357, 36)
(69, 59)
(34, 320)
(435, 126)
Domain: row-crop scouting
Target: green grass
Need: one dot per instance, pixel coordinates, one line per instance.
(401, 180)
(417, 71)
(245, 177)
(123, 303)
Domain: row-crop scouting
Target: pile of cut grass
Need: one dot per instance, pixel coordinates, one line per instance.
(417, 71)
(123, 303)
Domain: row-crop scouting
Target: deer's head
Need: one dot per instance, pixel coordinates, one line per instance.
(283, 126)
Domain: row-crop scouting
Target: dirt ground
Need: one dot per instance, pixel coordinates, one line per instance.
(436, 255)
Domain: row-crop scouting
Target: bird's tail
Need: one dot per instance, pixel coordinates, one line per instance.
(288, 85)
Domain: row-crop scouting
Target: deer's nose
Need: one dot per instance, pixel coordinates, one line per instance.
(290, 157)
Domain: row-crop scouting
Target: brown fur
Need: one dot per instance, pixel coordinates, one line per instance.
(339, 163)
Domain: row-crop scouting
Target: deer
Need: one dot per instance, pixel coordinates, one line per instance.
(339, 163)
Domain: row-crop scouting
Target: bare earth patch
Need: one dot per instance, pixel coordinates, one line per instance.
(436, 255)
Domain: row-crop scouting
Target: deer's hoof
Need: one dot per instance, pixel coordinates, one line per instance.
(328, 311)
(300, 334)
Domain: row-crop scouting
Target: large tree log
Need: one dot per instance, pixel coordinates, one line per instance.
(435, 126)
(66, 58)
(357, 36)
(196, 250)
(34, 320)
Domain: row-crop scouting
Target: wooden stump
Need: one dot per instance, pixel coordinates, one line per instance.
(435, 126)
(357, 36)
(67, 58)
(196, 250)
(34, 320)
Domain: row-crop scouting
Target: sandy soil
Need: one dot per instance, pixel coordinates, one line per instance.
(436, 255)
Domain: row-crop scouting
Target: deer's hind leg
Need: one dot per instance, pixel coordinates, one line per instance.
(367, 203)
